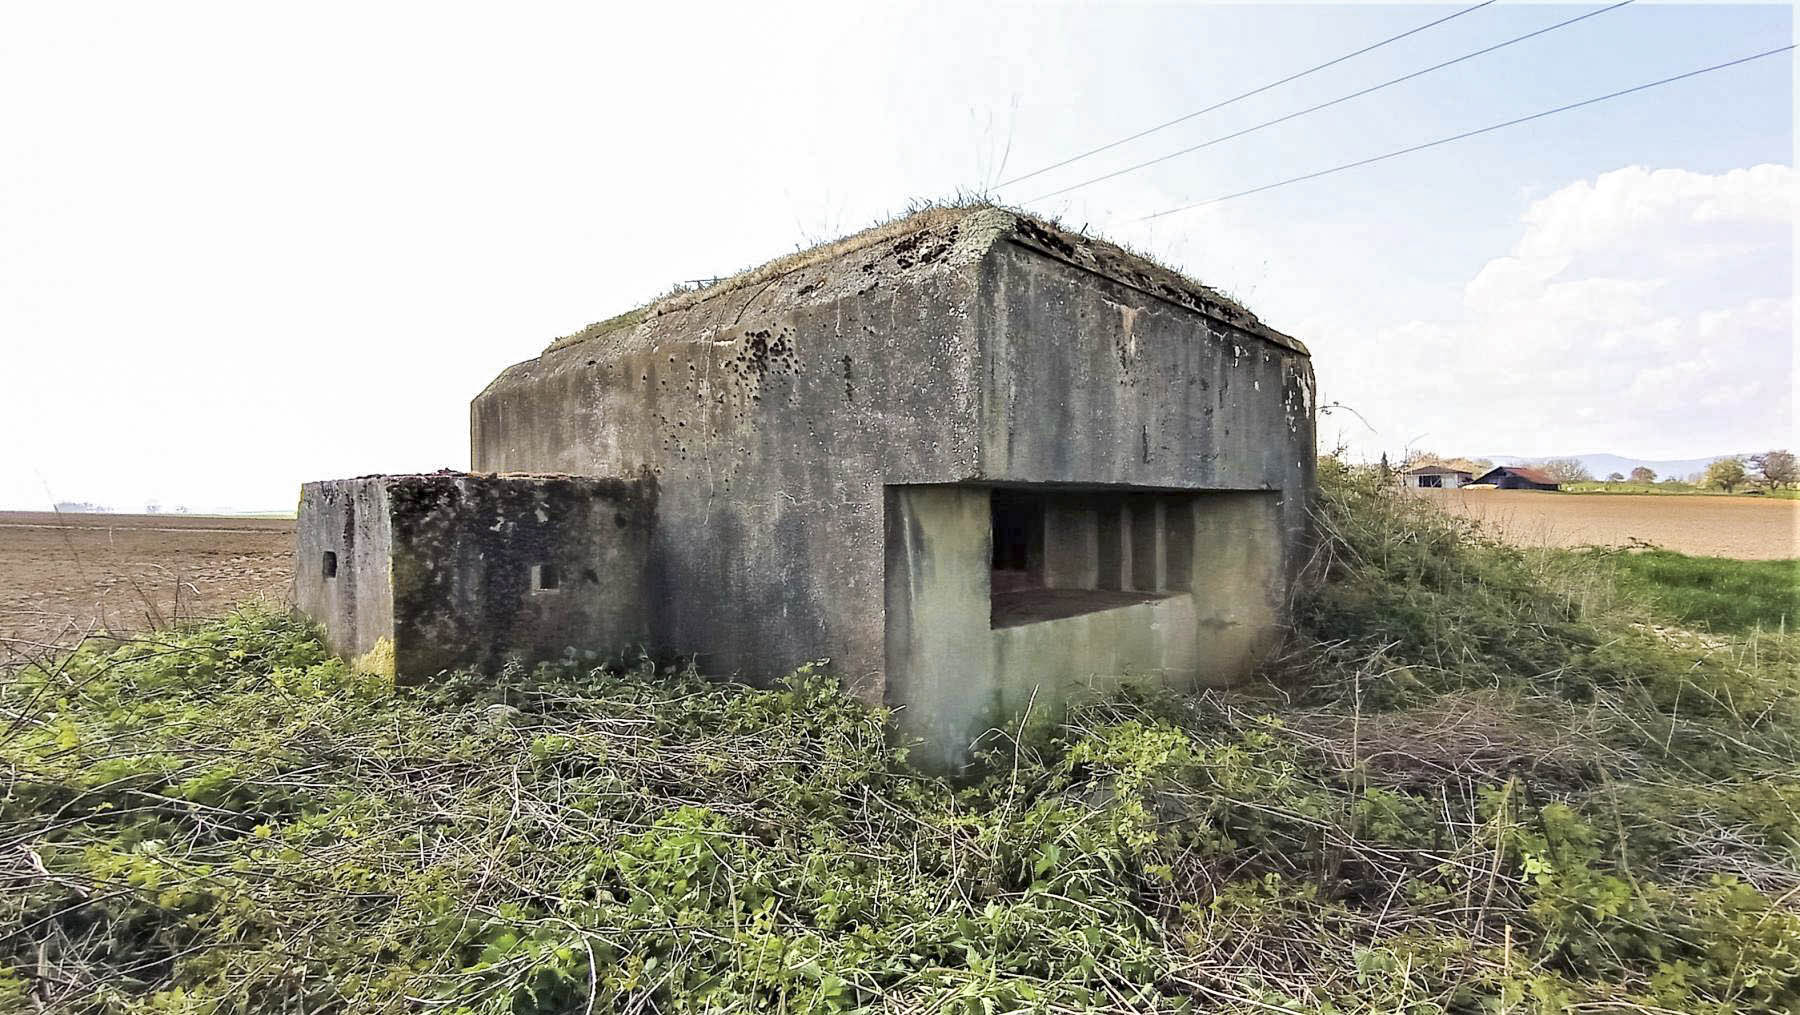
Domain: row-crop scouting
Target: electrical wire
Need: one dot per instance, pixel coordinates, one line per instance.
(1466, 134)
(1326, 105)
(1254, 91)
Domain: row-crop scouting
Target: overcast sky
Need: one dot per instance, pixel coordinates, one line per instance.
(247, 245)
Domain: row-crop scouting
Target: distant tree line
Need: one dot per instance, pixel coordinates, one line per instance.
(1773, 470)
(1563, 470)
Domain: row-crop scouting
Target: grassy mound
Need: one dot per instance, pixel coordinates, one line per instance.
(1478, 780)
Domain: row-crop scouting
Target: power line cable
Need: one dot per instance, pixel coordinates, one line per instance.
(1254, 91)
(1326, 105)
(1466, 134)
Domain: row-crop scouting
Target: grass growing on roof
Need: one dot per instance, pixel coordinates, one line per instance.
(1476, 781)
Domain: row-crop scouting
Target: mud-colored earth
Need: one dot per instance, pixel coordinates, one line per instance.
(64, 576)
(1746, 528)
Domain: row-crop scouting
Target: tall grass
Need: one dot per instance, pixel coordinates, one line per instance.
(1711, 593)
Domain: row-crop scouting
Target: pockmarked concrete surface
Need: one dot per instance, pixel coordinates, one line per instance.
(63, 576)
(1744, 528)
(838, 436)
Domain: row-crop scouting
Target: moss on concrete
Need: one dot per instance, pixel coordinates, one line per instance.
(378, 661)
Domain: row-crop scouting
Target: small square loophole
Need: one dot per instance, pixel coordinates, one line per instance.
(328, 567)
(544, 578)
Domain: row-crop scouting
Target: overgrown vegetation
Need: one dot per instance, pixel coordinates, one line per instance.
(1478, 780)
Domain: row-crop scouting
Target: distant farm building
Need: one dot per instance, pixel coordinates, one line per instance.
(1435, 477)
(1519, 477)
(975, 460)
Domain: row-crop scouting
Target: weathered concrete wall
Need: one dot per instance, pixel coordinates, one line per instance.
(956, 674)
(446, 568)
(466, 549)
(348, 519)
(1089, 380)
(938, 641)
(771, 436)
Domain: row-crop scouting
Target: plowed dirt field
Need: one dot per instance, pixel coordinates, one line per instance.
(63, 576)
(1747, 528)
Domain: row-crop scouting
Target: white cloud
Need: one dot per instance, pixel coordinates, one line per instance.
(1642, 312)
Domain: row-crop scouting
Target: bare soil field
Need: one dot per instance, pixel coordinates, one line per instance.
(63, 576)
(1745, 528)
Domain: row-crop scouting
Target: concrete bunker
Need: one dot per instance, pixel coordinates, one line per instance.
(421, 574)
(970, 458)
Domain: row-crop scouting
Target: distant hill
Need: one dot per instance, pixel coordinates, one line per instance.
(1604, 465)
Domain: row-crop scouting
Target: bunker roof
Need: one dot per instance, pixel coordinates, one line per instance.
(934, 239)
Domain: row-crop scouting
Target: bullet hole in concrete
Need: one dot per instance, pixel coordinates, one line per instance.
(763, 351)
(1049, 239)
(590, 576)
(328, 567)
(916, 252)
(620, 520)
(544, 578)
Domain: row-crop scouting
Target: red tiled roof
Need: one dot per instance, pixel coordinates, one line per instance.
(1526, 473)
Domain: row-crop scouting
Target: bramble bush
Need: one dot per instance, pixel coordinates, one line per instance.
(1477, 779)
